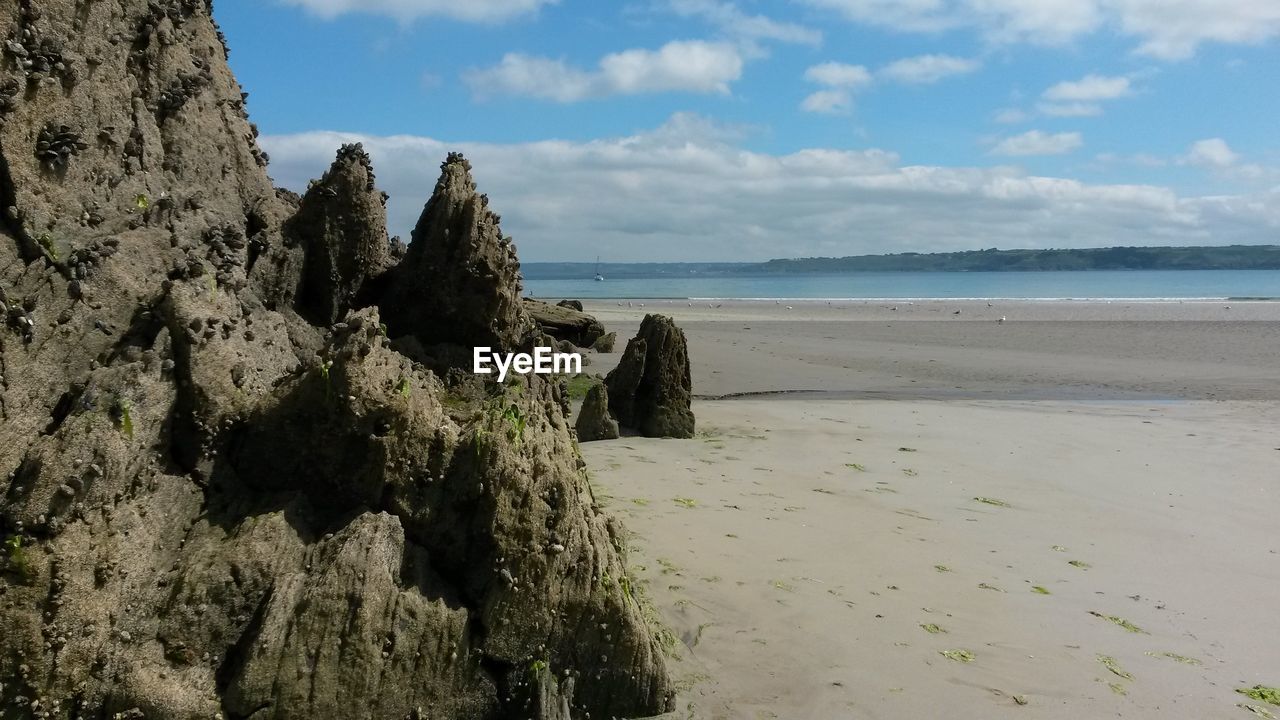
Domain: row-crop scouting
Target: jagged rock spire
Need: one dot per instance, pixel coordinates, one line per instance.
(460, 281)
(342, 227)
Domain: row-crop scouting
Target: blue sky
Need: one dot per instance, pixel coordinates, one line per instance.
(719, 130)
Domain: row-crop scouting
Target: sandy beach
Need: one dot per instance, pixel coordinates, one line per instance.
(909, 513)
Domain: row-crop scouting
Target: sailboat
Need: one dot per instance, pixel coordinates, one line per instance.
(599, 277)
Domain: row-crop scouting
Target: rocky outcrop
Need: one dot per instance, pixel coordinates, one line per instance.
(623, 381)
(565, 323)
(594, 421)
(605, 343)
(571, 304)
(211, 505)
(460, 280)
(341, 225)
(650, 389)
(121, 118)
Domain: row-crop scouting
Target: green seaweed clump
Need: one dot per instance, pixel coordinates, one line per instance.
(1262, 693)
(963, 656)
(120, 411)
(46, 243)
(1120, 622)
(1110, 663)
(933, 629)
(1176, 657)
(17, 561)
(578, 385)
(517, 420)
(324, 369)
(1040, 590)
(993, 501)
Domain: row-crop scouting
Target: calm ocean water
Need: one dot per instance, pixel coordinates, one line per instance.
(1080, 285)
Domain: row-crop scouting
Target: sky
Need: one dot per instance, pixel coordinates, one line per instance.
(744, 130)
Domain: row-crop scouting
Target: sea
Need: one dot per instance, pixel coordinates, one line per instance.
(1152, 285)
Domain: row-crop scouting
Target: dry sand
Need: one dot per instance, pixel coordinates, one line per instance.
(799, 547)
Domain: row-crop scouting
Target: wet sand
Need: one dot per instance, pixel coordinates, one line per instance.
(815, 553)
(1041, 350)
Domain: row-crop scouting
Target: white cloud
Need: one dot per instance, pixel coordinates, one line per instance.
(737, 24)
(1212, 153)
(1142, 160)
(1174, 29)
(1083, 97)
(910, 15)
(680, 66)
(1011, 116)
(1216, 156)
(1166, 29)
(842, 82)
(1076, 109)
(926, 69)
(1037, 21)
(689, 191)
(409, 10)
(1090, 88)
(837, 74)
(1036, 142)
(830, 102)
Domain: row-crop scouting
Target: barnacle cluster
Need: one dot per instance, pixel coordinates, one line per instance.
(38, 57)
(57, 144)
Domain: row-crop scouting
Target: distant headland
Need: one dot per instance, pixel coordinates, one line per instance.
(1226, 257)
